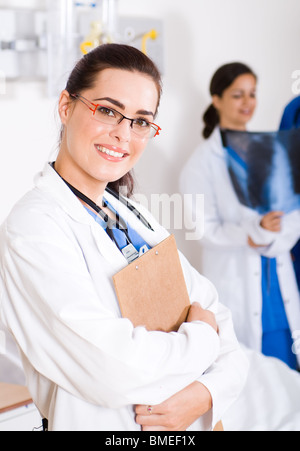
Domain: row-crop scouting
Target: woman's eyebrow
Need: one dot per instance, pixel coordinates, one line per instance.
(122, 106)
(145, 113)
(113, 101)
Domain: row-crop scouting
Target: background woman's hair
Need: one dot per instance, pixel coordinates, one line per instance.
(222, 79)
(112, 56)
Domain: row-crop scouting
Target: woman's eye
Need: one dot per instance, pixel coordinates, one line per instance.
(142, 123)
(106, 111)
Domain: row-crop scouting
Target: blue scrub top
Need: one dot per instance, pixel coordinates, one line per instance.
(120, 237)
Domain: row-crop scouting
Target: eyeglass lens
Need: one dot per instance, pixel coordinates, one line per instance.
(139, 126)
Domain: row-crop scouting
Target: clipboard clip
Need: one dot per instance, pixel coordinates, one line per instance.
(131, 254)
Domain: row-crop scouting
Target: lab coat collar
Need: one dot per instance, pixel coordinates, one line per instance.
(216, 144)
(50, 182)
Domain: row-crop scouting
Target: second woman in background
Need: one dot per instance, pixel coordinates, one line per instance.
(246, 255)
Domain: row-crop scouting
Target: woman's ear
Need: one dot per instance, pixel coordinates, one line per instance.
(216, 102)
(64, 107)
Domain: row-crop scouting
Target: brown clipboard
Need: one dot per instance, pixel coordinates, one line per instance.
(152, 291)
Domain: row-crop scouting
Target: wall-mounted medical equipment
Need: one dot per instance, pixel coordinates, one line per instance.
(45, 44)
(145, 34)
(74, 28)
(22, 43)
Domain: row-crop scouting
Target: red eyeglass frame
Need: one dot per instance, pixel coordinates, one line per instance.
(96, 105)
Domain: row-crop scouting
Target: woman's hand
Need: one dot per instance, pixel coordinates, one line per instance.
(272, 221)
(197, 313)
(185, 407)
(254, 245)
(178, 412)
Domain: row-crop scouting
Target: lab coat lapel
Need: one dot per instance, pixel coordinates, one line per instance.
(108, 248)
(49, 181)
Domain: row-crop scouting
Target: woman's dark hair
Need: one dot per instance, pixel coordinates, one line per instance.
(112, 56)
(222, 79)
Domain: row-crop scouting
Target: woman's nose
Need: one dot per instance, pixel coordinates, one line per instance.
(249, 100)
(122, 131)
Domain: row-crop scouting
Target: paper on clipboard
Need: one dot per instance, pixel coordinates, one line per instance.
(152, 291)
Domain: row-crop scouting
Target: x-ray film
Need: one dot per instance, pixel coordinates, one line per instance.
(265, 168)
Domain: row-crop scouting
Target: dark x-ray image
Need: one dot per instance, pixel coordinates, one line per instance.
(265, 168)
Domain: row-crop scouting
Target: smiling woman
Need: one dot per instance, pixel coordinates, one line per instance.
(87, 367)
(96, 77)
(233, 91)
(96, 149)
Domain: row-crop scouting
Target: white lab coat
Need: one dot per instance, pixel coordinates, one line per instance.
(11, 370)
(86, 366)
(226, 258)
(270, 399)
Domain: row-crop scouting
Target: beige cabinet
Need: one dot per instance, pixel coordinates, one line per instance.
(17, 411)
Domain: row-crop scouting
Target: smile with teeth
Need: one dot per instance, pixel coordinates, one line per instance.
(110, 152)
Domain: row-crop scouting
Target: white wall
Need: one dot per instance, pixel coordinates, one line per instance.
(200, 35)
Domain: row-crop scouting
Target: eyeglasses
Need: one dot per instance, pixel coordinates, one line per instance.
(140, 126)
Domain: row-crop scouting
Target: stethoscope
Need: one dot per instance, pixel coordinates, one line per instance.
(119, 223)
